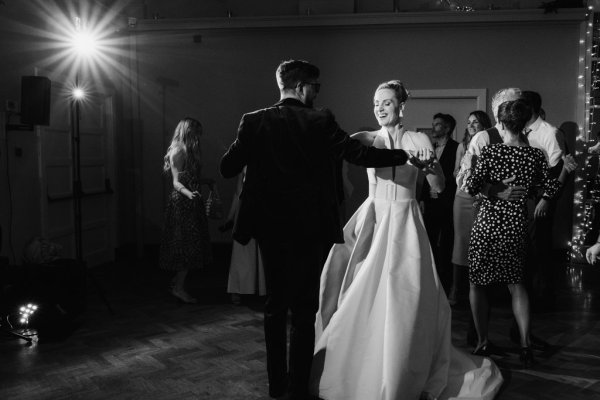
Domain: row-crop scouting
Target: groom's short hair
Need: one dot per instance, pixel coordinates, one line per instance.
(290, 72)
(534, 99)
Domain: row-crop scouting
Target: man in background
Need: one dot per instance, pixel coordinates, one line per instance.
(438, 206)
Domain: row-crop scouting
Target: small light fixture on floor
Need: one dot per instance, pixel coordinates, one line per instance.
(25, 313)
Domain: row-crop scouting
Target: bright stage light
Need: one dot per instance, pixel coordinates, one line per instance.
(78, 93)
(84, 41)
(84, 44)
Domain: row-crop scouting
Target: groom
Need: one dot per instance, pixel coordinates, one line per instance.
(290, 204)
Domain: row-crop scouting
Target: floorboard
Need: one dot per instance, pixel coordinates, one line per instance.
(156, 348)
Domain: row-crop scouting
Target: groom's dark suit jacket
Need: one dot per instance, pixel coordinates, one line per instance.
(293, 184)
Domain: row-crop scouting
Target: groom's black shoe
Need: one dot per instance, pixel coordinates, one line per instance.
(292, 396)
(280, 390)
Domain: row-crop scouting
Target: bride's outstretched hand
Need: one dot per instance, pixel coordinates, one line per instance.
(422, 158)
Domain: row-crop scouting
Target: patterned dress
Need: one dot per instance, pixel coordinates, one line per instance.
(497, 246)
(185, 242)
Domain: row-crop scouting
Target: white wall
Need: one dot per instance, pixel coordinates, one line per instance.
(27, 35)
(19, 189)
(232, 71)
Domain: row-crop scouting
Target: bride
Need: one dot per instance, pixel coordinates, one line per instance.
(383, 325)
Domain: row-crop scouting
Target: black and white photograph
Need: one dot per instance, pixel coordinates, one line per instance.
(300, 199)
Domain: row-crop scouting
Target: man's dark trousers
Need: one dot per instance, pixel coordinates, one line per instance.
(540, 269)
(292, 274)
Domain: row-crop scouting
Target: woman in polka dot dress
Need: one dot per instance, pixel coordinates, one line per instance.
(497, 246)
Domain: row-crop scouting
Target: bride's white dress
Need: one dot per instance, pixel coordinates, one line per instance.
(383, 326)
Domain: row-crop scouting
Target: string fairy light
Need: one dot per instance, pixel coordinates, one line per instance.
(587, 183)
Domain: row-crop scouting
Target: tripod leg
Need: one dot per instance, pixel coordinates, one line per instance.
(99, 290)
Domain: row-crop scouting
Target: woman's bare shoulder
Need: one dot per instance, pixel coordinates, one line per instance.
(419, 139)
(365, 137)
(177, 155)
(416, 135)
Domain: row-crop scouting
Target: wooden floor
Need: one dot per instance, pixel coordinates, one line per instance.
(155, 348)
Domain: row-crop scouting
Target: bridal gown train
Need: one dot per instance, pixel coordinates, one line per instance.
(383, 326)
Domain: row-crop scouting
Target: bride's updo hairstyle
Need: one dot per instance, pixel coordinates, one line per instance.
(399, 90)
(514, 115)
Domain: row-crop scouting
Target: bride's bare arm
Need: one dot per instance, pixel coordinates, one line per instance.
(435, 176)
(367, 138)
(372, 181)
(432, 168)
(425, 160)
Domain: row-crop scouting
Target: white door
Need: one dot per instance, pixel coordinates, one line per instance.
(424, 104)
(97, 175)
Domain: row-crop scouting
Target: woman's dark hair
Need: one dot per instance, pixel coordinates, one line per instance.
(514, 115)
(484, 120)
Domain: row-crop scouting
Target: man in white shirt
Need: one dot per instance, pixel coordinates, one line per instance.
(437, 214)
(491, 136)
(494, 135)
(545, 137)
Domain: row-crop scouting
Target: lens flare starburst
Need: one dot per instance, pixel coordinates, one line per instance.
(78, 41)
(84, 44)
(78, 93)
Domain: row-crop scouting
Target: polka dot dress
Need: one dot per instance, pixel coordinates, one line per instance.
(497, 245)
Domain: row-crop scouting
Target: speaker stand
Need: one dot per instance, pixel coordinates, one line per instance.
(77, 195)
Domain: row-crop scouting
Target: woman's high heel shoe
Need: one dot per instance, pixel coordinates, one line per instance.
(483, 350)
(526, 357)
(487, 349)
(183, 296)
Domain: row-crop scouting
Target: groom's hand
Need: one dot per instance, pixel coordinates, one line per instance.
(503, 191)
(422, 159)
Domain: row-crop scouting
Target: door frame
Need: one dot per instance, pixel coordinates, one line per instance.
(479, 95)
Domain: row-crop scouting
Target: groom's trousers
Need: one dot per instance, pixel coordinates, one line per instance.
(292, 275)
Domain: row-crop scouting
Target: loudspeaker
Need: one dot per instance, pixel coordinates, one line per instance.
(35, 100)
